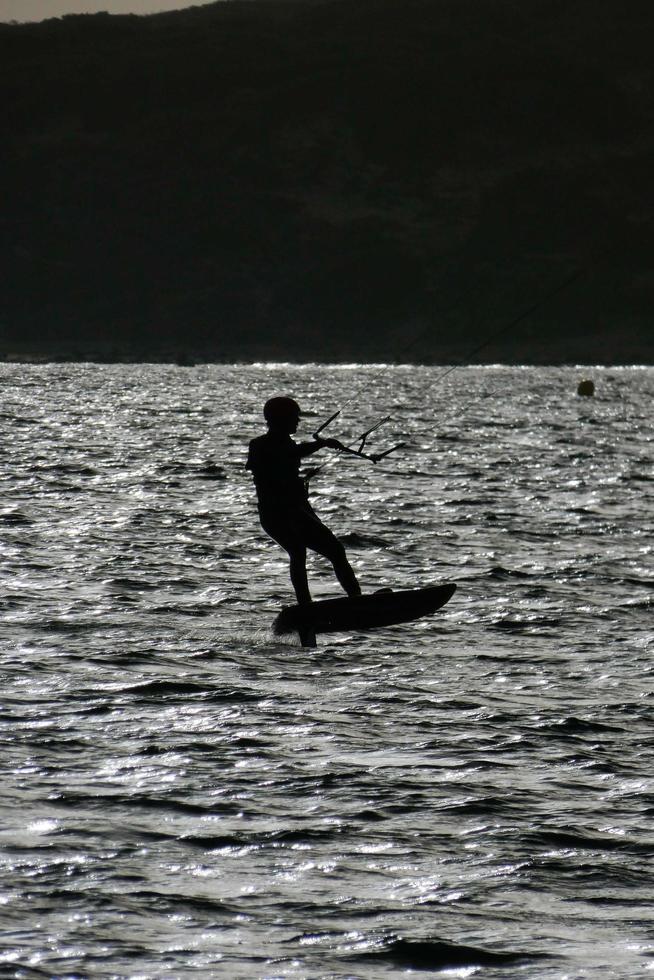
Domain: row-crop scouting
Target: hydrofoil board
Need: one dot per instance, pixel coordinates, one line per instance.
(364, 612)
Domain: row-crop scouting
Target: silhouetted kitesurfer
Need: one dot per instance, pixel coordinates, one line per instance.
(284, 509)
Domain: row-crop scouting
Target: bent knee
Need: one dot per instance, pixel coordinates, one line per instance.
(336, 551)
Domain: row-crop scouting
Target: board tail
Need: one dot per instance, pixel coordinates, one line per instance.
(285, 622)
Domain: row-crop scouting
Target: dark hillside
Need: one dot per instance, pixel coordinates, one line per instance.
(330, 179)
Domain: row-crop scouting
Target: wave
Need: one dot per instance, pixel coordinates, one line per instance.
(440, 954)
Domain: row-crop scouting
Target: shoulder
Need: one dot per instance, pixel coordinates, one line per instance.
(256, 449)
(259, 441)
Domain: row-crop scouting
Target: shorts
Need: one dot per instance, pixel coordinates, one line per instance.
(298, 529)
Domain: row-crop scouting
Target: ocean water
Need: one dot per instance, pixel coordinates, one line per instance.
(185, 795)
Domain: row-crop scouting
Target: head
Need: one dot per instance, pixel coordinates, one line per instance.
(282, 414)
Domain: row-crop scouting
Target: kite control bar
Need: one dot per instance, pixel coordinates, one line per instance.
(362, 439)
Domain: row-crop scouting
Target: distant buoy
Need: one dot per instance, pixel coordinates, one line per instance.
(586, 388)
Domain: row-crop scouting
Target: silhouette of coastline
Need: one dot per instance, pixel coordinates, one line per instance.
(323, 180)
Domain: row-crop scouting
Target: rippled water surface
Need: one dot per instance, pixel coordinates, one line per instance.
(185, 795)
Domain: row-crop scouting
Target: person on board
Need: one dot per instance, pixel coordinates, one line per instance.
(284, 509)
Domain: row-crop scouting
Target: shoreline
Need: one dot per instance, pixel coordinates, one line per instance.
(41, 360)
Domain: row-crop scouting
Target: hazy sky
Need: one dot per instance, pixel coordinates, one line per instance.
(22, 10)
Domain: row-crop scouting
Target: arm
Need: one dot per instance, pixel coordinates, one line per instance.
(309, 448)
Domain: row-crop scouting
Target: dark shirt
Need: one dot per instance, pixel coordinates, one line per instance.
(274, 460)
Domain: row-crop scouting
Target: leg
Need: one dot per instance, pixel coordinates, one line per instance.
(298, 558)
(344, 571)
(319, 538)
(298, 565)
(282, 528)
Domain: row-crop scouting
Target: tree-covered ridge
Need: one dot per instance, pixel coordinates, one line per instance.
(330, 179)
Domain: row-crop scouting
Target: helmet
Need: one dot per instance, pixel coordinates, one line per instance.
(280, 409)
